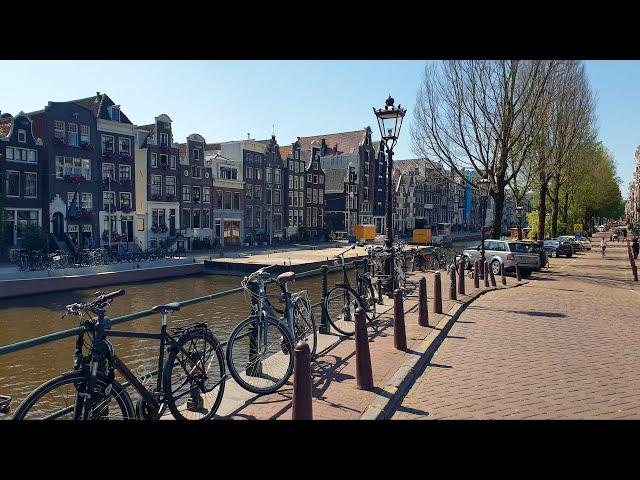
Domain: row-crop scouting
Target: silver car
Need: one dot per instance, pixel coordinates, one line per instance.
(502, 252)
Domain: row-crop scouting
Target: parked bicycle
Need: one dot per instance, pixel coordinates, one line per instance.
(260, 348)
(190, 383)
(343, 300)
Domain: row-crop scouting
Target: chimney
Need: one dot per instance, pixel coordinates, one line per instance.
(248, 136)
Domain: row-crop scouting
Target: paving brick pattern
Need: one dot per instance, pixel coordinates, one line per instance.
(335, 395)
(564, 346)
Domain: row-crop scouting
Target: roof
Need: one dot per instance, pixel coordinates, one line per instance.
(212, 146)
(99, 104)
(286, 151)
(182, 151)
(337, 143)
(334, 179)
(149, 128)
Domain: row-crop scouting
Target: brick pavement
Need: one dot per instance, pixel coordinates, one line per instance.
(335, 395)
(563, 346)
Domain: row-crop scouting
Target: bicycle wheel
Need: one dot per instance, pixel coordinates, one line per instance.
(260, 354)
(340, 305)
(305, 325)
(368, 295)
(194, 376)
(57, 399)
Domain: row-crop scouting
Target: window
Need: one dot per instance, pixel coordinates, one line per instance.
(186, 193)
(125, 172)
(108, 171)
(321, 178)
(206, 218)
(315, 196)
(125, 145)
(108, 199)
(276, 176)
(291, 200)
(125, 199)
(73, 166)
(268, 175)
(300, 199)
(86, 201)
(249, 190)
(186, 218)
(258, 218)
(296, 154)
(314, 217)
(196, 156)
(309, 177)
(295, 183)
(164, 139)
(173, 162)
(58, 129)
(276, 196)
(228, 173)
(22, 136)
(114, 113)
(72, 134)
(315, 179)
(195, 193)
(249, 173)
(196, 217)
(295, 199)
(249, 157)
(170, 185)
(218, 199)
(308, 216)
(206, 194)
(291, 182)
(227, 200)
(154, 160)
(84, 134)
(156, 186)
(236, 201)
(196, 172)
(13, 184)
(31, 184)
(15, 154)
(268, 196)
(164, 159)
(107, 144)
(321, 197)
(258, 174)
(258, 192)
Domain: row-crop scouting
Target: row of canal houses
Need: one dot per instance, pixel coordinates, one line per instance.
(85, 173)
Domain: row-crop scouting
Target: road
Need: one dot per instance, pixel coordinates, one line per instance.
(563, 346)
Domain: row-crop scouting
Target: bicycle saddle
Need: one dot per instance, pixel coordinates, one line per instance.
(286, 277)
(169, 307)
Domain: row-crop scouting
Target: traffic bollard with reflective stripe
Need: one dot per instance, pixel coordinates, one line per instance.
(492, 277)
(399, 333)
(423, 310)
(301, 401)
(364, 375)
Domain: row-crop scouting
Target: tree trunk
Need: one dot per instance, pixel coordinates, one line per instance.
(542, 208)
(498, 208)
(565, 208)
(555, 207)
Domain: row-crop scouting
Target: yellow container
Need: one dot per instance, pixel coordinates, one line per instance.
(364, 232)
(421, 235)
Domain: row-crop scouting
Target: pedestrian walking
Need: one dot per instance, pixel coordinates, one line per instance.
(603, 245)
(635, 246)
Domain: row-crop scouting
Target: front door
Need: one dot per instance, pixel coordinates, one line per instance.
(172, 222)
(58, 225)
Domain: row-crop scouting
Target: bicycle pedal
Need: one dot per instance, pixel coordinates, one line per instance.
(195, 404)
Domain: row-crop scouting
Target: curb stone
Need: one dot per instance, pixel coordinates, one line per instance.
(383, 406)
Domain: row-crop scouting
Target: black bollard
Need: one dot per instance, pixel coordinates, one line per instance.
(301, 401)
(364, 375)
(486, 275)
(423, 310)
(399, 333)
(452, 285)
(437, 294)
(518, 277)
(324, 327)
(504, 278)
(461, 287)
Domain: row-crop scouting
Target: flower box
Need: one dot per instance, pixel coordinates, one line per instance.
(107, 153)
(86, 146)
(110, 208)
(164, 166)
(125, 156)
(126, 209)
(77, 179)
(126, 181)
(161, 229)
(60, 141)
(84, 215)
(106, 181)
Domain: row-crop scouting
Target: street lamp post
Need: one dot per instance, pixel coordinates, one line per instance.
(389, 121)
(519, 210)
(483, 186)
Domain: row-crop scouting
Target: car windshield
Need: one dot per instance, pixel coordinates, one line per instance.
(566, 239)
(550, 242)
(522, 247)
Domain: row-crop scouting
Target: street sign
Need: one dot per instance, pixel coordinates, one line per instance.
(578, 234)
(577, 227)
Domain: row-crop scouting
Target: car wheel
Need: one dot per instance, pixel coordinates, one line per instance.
(526, 273)
(495, 267)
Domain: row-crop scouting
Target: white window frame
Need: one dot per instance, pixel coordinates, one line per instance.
(58, 129)
(154, 160)
(82, 129)
(33, 174)
(7, 183)
(22, 133)
(72, 129)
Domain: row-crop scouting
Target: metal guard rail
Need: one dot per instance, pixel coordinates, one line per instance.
(51, 337)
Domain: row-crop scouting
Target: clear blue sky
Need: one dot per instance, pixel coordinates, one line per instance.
(225, 100)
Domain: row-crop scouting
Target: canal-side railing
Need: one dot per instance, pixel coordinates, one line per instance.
(71, 332)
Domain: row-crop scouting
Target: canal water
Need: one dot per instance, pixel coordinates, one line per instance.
(27, 317)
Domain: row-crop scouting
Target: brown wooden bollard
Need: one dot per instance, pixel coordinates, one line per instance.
(423, 310)
(301, 401)
(476, 274)
(486, 274)
(399, 333)
(518, 271)
(504, 277)
(492, 277)
(461, 289)
(364, 375)
(452, 285)
(437, 294)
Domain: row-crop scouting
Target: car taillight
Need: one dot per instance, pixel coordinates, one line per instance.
(510, 257)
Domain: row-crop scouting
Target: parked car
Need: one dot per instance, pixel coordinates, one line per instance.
(502, 252)
(601, 228)
(577, 246)
(585, 242)
(556, 248)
